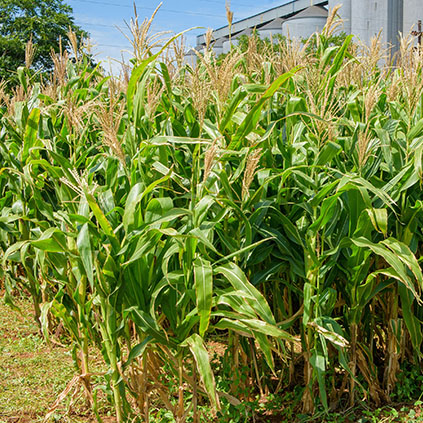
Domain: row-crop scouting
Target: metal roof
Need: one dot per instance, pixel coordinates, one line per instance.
(219, 42)
(311, 12)
(275, 24)
(247, 31)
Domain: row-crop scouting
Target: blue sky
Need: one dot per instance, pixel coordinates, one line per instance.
(100, 18)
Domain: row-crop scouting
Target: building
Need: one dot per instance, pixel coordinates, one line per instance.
(365, 18)
(303, 24)
(301, 18)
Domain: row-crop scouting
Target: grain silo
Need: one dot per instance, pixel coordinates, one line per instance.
(364, 19)
(344, 13)
(218, 45)
(305, 23)
(235, 39)
(190, 57)
(271, 29)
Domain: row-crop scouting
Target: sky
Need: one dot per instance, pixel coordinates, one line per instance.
(102, 18)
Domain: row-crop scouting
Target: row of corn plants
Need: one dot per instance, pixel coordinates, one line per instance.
(269, 201)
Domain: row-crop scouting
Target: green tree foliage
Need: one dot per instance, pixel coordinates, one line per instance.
(46, 21)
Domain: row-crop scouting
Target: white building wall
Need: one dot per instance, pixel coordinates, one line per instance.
(227, 45)
(368, 17)
(217, 50)
(269, 33)
(303, 27)
(344, 13)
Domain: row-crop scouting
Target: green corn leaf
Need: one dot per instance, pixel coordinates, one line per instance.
(243, 250)
(318, 362)
(400, 260)
(201, 357)
(415, 131)
(44, 319)
(340, 56)
(203, 279)
(51, 241)
(60, 312)
(239, 281)
(234, 325)
(31, 133)
(331, 336)
(102, 220)
(326, 213)
(162, 140)
(201, 237)
(131, 203)
(266, 329)
(308, 292)
(84, 247)
(236, 301)
(266, 347)
(414, 325)
(137, 351)
(135, 196)
(149, 326)
(327, 153)
(250, 121)
(147, 242)
(238, 96)
(11, 252)
(404, 253)
(379, 219)
(328, 55)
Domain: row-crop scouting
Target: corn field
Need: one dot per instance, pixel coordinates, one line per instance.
(269, 202)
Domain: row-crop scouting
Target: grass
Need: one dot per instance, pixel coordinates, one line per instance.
(33, 373)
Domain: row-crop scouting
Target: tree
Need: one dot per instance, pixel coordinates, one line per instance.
(45, 21)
